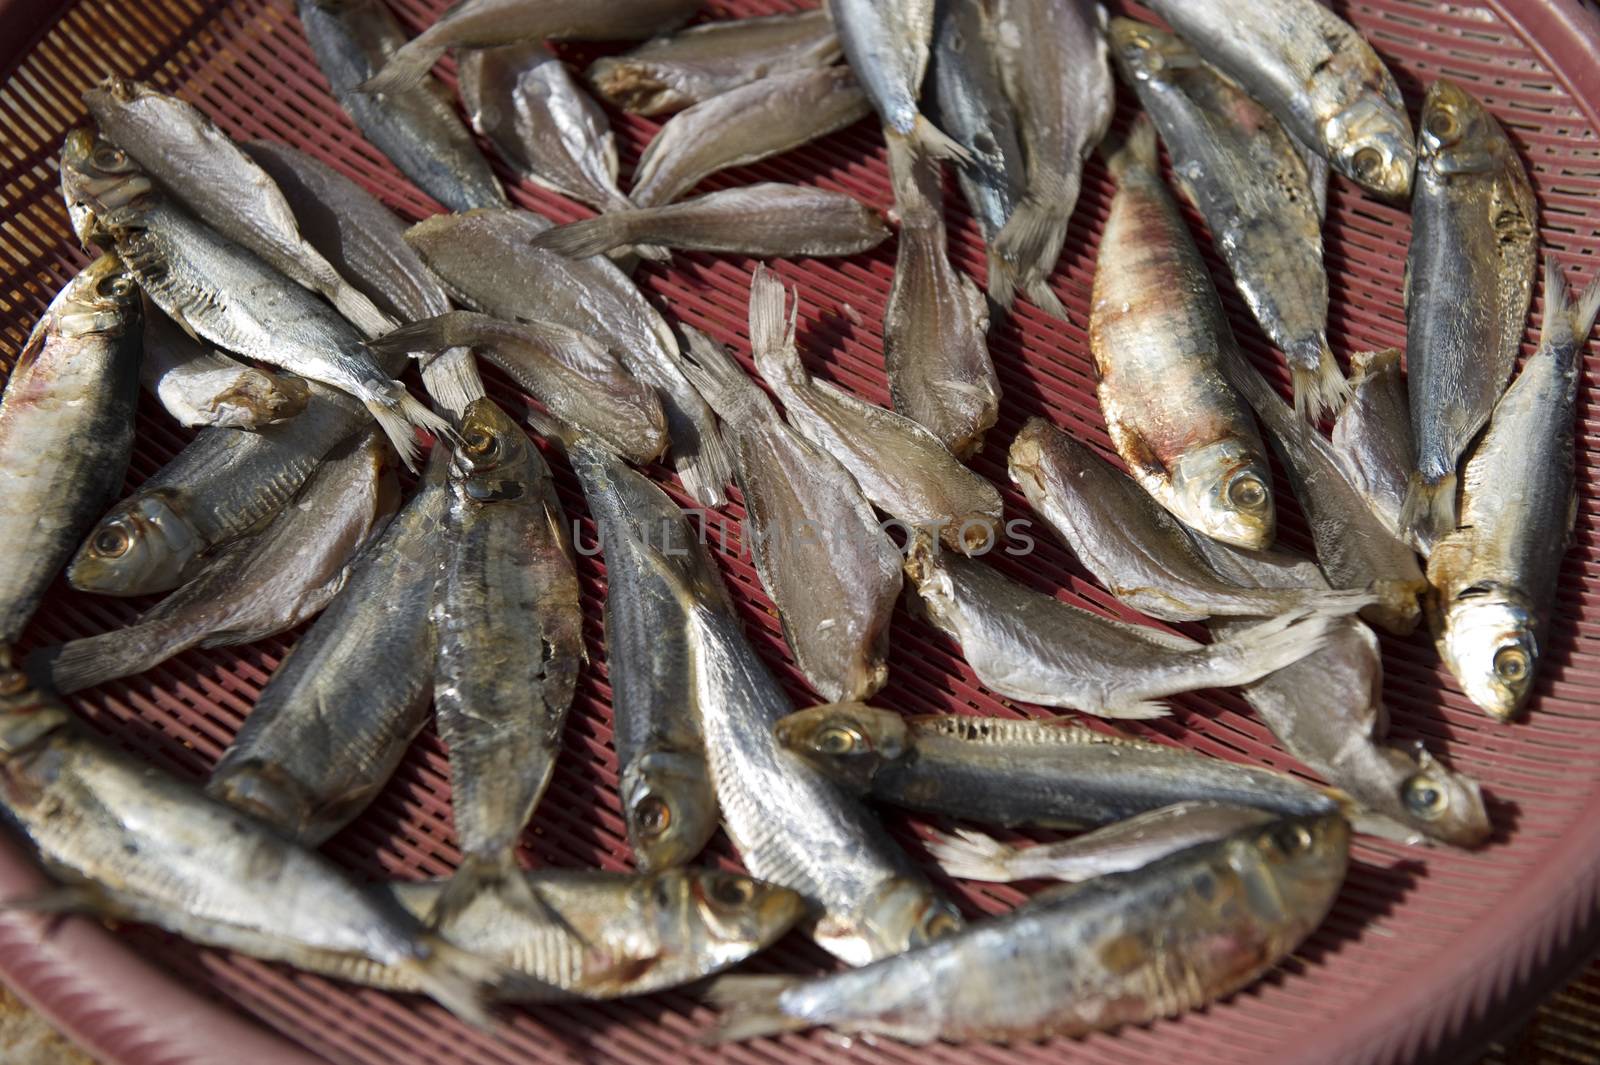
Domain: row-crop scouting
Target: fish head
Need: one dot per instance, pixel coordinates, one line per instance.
(1458, 135)
(1487, 638)
(1440, 804)
(143, 545)
(102, 185)
(267, 792)
(1143, 52)
(1225, 491)
(901, 915)
(490, 461)
(848, 742)
(1303, 860)
(102, 300)
(669, 809)
(726, 916)
(1372, 143)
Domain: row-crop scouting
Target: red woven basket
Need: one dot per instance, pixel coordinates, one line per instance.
(1427, 953)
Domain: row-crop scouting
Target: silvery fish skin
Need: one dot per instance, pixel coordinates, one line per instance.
(416, 128)
(900, 466)
(1469, 279)
(745, 125)
(1354, 548)
(128, 842)
(201, 167)
(791, 825)
(1161, 344)
(261, 585)
(607, 935)
(523, 100)
(1327, 710)
(832, 571)
(574, 376)
(1317, 74)
(1495, 577)
(973, 107)
(328, 730)
(365, 240)
(66, 430)
(693, 65)
(474, 24)
(1244, 173)
(653, 559)
(1027, 645)
(484, 256)
(1372, 438)
(223, 293)
(1054, 773)
(1125, 948)
(766, 220)
(510, 644)
(1117, 848)
(886, 43)
(935, 324)
(1137, 550)
(1053, 66)
(199, 385)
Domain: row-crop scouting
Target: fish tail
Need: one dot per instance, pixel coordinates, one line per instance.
(79, 664)
(456, 979)
(1429, 510)
(1339, 602)
(1137, 151)
(935, 143)
(399, 413)
(705, 469)
(772, 330)
(719, 379)
(969, 855)
(499, 875)
(751, 1007)
(1268, 647)
(406, 68)
(359, 311)
(591, 236)
(1025, 252)
(1044, 298)
(450, 329)
(1566, 323)
(452, 380)
(1139, 710)
(1319, 385)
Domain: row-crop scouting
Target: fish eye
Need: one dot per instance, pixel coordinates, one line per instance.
(652, 815)
(108, 157)
(1443, 125)
(1511, 664)
(117, 285)
(1291, 840)
(732, 891)
(1247, 492)
(1424, 797)
(939, 925)
(1367, 162)
(837, 739)
(478, 442)
(111, 542)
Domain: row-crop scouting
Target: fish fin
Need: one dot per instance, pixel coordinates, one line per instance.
(1250, 654)
(451, 378)
(772, 330)
(1429, 510)
(447, 330)
(456, 979)
(548, 427)
(1340, 601)
(1136, 151)
(590, 236)
(1319, 385)
(1044, 298)
(79, 664)
(360, 311)
(719, 379)
(935, 143)
(1021, 256)
(398, 413)
(1139, 710)
(1566, 322)
(182, 322)
(969, 855)
(61, 899)
(750, 1007)
(406, 67)
(501, 876)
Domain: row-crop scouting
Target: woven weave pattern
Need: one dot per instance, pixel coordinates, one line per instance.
(1409, 925)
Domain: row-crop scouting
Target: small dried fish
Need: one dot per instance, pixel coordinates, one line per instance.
(199, 385)
(1372, 438)
(745, 125)
(973, 107)
(832, 571)
(765, 219)
(693, 65)
(900, 466)
(886, 44)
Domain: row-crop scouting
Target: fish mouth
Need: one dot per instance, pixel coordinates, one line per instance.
(1489, 642)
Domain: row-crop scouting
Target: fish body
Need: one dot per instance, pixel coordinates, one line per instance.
(523, 100)
(1124, 948)
(832, 571)
(1053, 66)
(693, 65)
(900, 466)
(201, 386)
(1011, 771)
(485, 258)
(416, 128)
(258, 586)
(474, 24)
(654, 560)
(1372, 438)
(886, 43)
(935, 323)
(1160, 345)
(66, 431)
(767, 220)
(1495, 577)
(128, 842)
(199, 165)
(1131, 544)
(745, 125)
(332, 724)
(1317, 74)
(1028, 645)
(510, 644)
(973, 108)
(1469, 279)
(1243, 171)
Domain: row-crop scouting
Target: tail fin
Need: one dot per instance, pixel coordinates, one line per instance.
(1429, 510)
(1319, 384)
(455, 978)
(452, 380)
(359, 311)
(399, 412)
(969, 855)
(751, 1008)
(1136, 150)
(405, 68)
(591, 236)
(772, 331)
(720, 380)
(79, 664)
(933, 142)
(1566, 323)
(1250, 654)
(447, 330)
(1025, 251)
(497, 875)
(548, 427)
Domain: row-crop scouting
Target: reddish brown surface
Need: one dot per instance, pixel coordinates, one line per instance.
(1424, 949)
